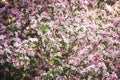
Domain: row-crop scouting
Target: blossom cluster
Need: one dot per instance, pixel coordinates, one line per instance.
(60, 39)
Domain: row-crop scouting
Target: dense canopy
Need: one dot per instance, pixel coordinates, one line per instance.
(59, 39)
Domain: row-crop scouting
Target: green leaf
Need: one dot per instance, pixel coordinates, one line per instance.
(25, 16)
(74, 72)
(39, 37)
(59, 57)
(56, 61)
(44, 28)
(47, 40)
(58, 35)
(12, 28)
(96, 34)
(32, 61)
(65, 69)
(100, 74)
(64, 44)
(105, 42)
(107, 65)
(90, 17)
(54, 78)
(45, 20)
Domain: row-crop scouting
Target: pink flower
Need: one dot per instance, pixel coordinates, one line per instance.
(15, 12)
(34, 13)
(95, 41)
(1, 51)
(56, 1)
(116, 21)
(102, 64)
(31, 53)
(93, 2)
(76, 78)
(2, 37)
(85, 4)
(74, 60)
(56, 28)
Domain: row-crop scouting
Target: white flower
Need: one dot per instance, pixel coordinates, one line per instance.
(33, 39)
(7, 50)
(17, 44)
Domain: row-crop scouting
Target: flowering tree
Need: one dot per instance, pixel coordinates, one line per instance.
(59, 40)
